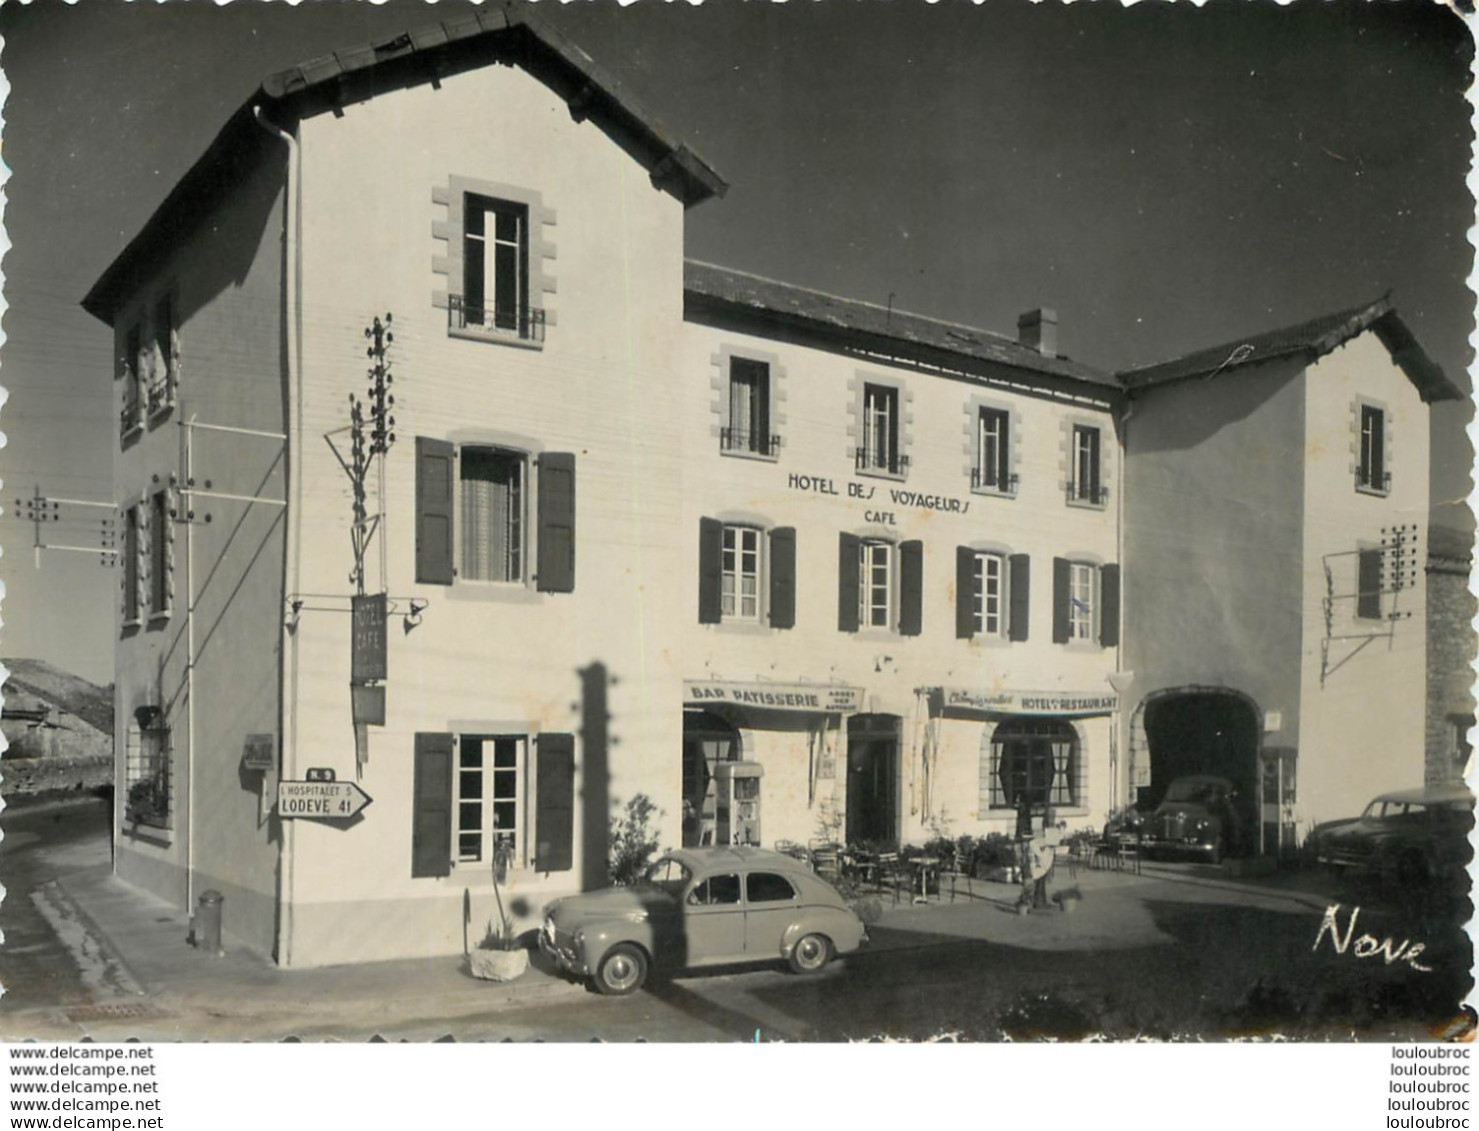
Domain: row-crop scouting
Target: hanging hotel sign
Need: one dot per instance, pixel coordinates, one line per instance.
(774, 696)
(367, 644)
(324, 800)
(1031, 702)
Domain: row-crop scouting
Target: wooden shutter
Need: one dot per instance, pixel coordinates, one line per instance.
(783, 577)
(435, 493)
(965, 592)
(554, 818)
(1019, 593)
(911, 588)
(710, 571)
(431, 806)
(1109, 606)
(1062, 571)
(848, 548)
(556, 568)
(1368, 584)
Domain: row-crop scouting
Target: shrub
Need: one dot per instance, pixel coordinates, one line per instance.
(632, 841)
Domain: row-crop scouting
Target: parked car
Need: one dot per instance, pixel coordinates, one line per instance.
(1405, 840)
(702, 907)
(1196, 816)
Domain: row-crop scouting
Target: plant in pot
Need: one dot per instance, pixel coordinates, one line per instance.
(500, 957)
(1068, 898)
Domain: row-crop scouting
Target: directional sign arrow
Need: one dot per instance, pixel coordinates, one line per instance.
(321, 800)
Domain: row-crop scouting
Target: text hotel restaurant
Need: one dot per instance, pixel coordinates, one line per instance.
(660, 527)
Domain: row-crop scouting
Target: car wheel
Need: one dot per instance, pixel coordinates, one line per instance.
(810, 954)
(622, 971)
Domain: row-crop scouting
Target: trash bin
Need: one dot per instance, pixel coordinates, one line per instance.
(208, 922)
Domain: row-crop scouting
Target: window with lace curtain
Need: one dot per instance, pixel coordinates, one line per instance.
(1038, 758)
(492, 527)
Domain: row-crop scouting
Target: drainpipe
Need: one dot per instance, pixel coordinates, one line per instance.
(292, 269)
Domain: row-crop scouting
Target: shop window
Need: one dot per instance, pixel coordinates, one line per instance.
(993, 465)
(880, 450)
(470, 803)
(490, 518)
(1038, 759)
(749, 428)
(1086, 603)
(746, 574)
(148, 800)
(1371, 469)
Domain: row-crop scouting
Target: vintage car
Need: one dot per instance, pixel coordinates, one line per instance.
(1196, 817)
(1405, 840)
(701, 907)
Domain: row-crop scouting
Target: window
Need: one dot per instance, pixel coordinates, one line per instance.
(495, 271)
(741, 573)
(1038, 759)
(748, 429)
(474, 508)
(991, 594)
(716, 890)
(1371, 472)
(768, 887)
(993, 452)
(880, 449)
(131, 415)
(746, 575)
(1086, 603)
(492, 529)
(488, 799)
(159, 377)
(147, 770)
(880, 585)
(1083, 480)
(875, 584)
(133, 565)
(161, 555)
(470, 802)
(1368, 583)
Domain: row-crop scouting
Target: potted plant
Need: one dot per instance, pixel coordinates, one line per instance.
(1068, 898)
(500, 957)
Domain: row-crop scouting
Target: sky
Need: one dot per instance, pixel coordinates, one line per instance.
(1166, 178)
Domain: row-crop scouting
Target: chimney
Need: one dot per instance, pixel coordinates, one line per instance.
(1038, 329)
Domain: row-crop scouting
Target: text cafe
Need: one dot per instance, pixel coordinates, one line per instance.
(760, 758)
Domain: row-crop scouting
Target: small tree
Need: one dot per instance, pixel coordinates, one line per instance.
(632, 840)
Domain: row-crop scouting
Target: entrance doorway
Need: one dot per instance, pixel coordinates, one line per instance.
(873, 777)
(1206, 732)
(707, 741)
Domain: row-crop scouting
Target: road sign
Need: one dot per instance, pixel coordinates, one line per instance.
(320, 800)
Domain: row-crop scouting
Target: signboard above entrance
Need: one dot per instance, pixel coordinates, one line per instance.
(828, 697)
(1031, 702)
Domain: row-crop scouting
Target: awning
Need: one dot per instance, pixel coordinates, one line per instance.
(1006, 702)
(828, 698)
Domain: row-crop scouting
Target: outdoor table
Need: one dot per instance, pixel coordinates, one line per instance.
(924, 867)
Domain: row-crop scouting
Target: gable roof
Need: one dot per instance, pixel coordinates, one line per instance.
(425, 55)
(710, 287)
(1308, 340)
(73, 694)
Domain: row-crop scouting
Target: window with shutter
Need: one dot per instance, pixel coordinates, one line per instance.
(554, 819)
(434, 503)
(783, 577)
(431, 806)
(1061, 570)
(710, 571)
(911, 588)
(1019, 589)
(556, 523)
(967, 592)
(848, 550)
(1368, 584)
(1109, 606)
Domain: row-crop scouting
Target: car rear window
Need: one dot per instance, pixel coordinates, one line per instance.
(768, 887)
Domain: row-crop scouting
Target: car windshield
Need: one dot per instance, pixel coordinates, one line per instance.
(1198, 792)
(668, 874)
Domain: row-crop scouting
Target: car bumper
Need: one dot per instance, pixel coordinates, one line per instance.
(563, 953)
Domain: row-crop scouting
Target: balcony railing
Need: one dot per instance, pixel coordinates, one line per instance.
(1366, 480)
(1087, 494)
(870, 459)
(743, 440)
(987, 479)
(525, 323)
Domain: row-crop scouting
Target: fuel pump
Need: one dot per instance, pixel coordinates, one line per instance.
(738, 787)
